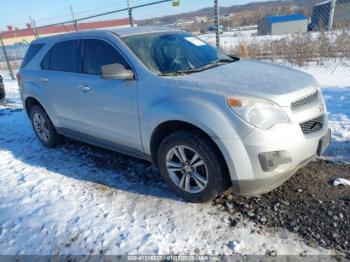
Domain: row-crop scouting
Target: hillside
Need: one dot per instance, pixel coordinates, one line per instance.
(237, 15)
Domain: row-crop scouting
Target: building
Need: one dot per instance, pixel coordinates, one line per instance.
(287, 24)
(201, 19)
(321, 15)
(25, 36)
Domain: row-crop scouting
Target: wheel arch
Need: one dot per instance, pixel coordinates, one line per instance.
(30, 102)
(166, 128)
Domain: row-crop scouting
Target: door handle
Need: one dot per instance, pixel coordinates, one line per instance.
(84, 88)
(44, 80)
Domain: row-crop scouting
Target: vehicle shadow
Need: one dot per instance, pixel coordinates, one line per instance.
(79, 160)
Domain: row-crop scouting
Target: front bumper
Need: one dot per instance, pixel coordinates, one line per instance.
(266, 184)
(242, 157)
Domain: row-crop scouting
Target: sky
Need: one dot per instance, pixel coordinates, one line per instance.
(17, 12)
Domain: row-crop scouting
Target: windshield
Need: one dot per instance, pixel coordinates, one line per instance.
(175, 53)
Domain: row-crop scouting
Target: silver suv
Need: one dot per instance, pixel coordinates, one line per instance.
(207, 120)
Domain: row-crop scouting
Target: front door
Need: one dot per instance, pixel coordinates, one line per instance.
(109, 108)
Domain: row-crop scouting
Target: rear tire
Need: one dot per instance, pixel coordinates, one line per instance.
(43, 127)
(192, 166)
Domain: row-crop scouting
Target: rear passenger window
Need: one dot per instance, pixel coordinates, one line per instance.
(98, 53)
(31, 52)
(64, 57)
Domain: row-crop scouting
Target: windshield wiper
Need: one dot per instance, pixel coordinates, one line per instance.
(183, 72)
(212, 64)
(222, 61)
(202, 68)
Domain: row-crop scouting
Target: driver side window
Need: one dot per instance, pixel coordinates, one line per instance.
(98, 53)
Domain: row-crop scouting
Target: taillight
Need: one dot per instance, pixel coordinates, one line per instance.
(18, 76)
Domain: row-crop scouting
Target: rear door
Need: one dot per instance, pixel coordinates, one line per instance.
(109, 108)
(60, 76)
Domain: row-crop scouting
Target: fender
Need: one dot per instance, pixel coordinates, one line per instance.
(200, 113)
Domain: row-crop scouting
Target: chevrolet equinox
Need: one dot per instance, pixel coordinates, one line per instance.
(207, 120)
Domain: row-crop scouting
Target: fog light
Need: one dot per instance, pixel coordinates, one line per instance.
(269, 161)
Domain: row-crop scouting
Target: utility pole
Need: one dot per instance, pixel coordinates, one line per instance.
(73, 18)
(217, 23)
(35, 30)
(6, 58)
(131, 20)
(331, 15)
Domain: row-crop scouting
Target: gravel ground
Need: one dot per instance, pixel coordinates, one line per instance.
(307, 204)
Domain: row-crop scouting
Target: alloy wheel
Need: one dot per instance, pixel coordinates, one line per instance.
(41, 127)
(187, 169)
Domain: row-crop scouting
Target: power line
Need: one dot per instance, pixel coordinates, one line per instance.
(101, 7)
(57, 19)
(120, 8)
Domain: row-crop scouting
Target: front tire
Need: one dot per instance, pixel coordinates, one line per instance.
(43, 127)
(192, 166)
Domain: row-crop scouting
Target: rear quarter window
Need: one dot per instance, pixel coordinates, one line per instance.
(31, 52)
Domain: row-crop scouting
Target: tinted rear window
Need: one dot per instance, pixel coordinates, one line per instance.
(31, 52)
(64, 56)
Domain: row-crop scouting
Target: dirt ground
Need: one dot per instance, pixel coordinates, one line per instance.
(307, 204)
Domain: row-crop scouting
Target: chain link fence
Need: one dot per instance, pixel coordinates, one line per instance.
(310, 35)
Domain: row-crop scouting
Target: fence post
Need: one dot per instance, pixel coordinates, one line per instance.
(75, 23)
(6, 58)
(217, 23)
(331, 15)
(131, 20)
(76, 26)
(35, 30)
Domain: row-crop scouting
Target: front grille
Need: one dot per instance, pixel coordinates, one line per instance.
(313, 125)
(305, 102)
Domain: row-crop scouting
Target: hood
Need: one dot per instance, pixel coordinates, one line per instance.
(252, 78)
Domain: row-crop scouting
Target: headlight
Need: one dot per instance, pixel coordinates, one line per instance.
(258, 112)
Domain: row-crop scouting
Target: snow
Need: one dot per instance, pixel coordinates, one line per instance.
(338, 107)
(249, 34)
(233, 38)
(79, 199)
(12, 93)
(330, 74)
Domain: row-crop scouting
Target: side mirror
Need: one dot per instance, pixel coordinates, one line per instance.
(116, 72)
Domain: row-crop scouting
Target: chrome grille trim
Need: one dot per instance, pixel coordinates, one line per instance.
(312, 125)
(305, 102)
